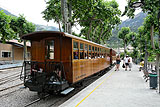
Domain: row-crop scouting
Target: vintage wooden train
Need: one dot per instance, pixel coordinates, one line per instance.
(59, 60)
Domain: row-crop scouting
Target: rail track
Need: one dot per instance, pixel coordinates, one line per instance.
(11, 87)
(10, 75)
(9, 79)
(37, 100)
(56, 100)
(1, 79)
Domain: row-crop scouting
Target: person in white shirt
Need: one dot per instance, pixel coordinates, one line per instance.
(126, 62)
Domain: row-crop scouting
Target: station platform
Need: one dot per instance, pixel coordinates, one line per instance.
(7, 66)
(117, 89)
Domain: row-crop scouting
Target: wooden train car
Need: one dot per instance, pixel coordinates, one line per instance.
(59, 60)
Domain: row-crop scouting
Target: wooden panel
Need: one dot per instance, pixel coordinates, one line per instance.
(38, 51)
(67, 57)
(86, 67)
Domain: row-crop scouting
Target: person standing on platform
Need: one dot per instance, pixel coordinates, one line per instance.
(126, 62)
(118, 60)
(130, 63)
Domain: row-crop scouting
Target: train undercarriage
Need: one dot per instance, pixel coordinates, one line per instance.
(44, 77)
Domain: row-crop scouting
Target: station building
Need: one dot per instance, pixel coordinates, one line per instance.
(12, 51)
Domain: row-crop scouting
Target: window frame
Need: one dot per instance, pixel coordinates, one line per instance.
(46, 46)
(6, 51)
(75, 50)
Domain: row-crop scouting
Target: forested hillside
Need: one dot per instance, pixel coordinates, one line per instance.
(114, 40)
(134, 24)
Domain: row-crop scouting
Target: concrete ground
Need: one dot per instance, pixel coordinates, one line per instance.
(117, 89)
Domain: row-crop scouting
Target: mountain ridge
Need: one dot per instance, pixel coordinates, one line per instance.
(133, 24)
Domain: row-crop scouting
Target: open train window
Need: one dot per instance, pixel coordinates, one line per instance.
(89, 56)
(75, 50)
(96, 55)
(86, 51)
(75, 54)
(50, 49)
(81, 55)
(93, 55)
(81, 51)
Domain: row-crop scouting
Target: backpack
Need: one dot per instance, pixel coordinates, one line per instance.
(129, 60)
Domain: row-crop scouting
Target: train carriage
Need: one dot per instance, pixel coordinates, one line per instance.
(59, 60)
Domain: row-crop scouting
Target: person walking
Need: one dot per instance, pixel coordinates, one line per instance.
(126, 62)
(118, 60)
(130, 63)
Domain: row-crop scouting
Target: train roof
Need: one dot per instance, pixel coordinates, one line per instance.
(40, 35)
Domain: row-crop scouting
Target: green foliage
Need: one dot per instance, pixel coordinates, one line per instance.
(53, 11)
(122, 54)
(6, 33)
(123, 34)
(152, 8)
(97, 18)
(13, 27)
(21, 26)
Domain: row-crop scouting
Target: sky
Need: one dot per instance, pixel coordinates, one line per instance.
(32, 9)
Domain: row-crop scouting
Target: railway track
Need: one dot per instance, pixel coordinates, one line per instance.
(11, 87)
(6, 81)
(11, 79)
(56, 100)
(7, 77)
(37, 100)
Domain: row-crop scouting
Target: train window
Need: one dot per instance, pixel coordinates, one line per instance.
(98, 55)
(85, 55)
(89, 57)
(50, 49)
(86, 47)
(89, 47)
(93, 55)
(86, 52)
(75, 45)
(81, 55)
(81, 46)
(93, 48)
(96, 49)
(75, 54)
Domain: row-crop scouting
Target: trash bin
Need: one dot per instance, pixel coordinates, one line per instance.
(153, 80)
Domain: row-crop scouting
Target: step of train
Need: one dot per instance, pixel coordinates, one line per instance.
(68, 90)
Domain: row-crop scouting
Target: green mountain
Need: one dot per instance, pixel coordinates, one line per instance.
(133, 24)
(38, 27)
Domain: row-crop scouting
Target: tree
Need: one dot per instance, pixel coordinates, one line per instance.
(152, 7)
(123, 34)
(21, 26)
(97, 18)
(6, 33)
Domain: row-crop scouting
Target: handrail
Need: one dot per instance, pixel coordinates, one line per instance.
(50, 67)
